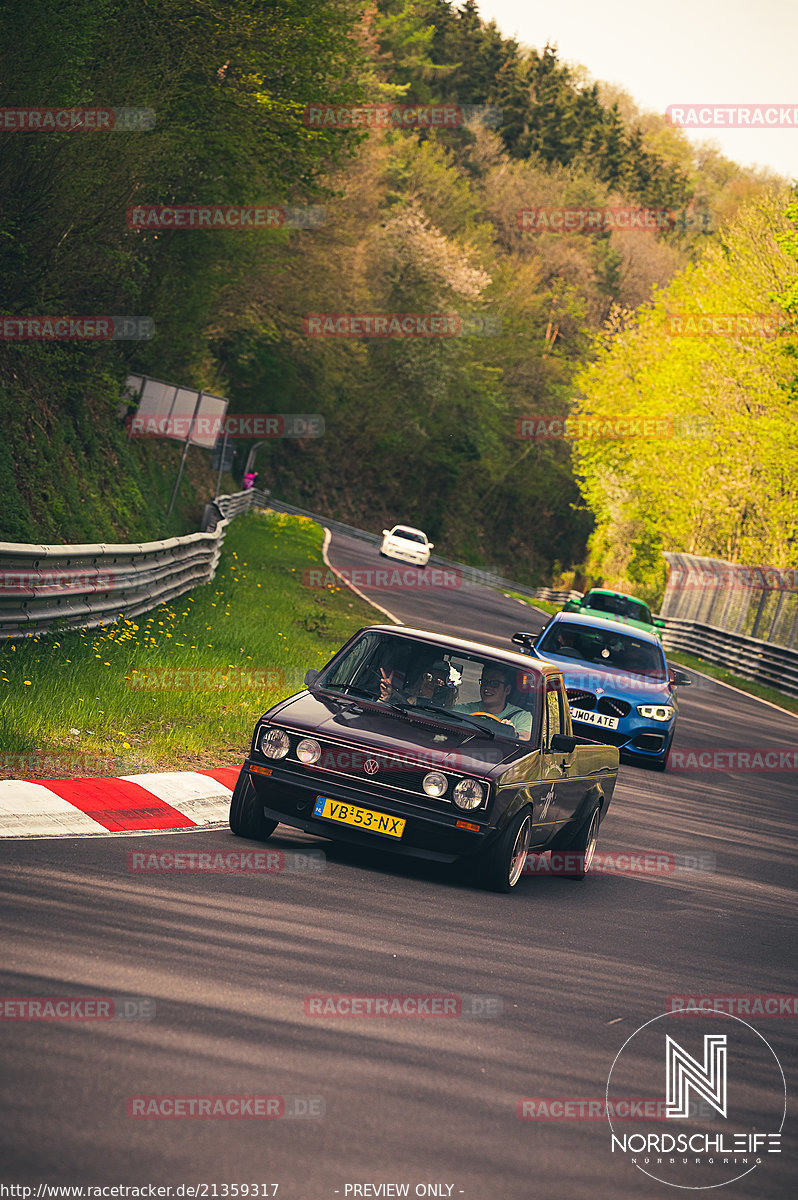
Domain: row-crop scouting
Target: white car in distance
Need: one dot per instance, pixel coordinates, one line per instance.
(407, 544)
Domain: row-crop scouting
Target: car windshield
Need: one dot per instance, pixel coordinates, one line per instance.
(388, 669)
(605, 647)
(409, 535)
(620, 606)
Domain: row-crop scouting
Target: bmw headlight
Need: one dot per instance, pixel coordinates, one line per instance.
(468, 794)
(308, 751)
(435, 784)
(275, 743)
(656, 712)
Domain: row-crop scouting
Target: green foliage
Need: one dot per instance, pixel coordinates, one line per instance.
(720, 475)
(417, 221)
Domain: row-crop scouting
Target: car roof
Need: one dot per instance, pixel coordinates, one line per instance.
(609, 592)
(467, 647)
(600, 623)
(407, 529)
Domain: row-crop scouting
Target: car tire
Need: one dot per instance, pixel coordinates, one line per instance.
(584, 843)
(500, 867)
(246, 813)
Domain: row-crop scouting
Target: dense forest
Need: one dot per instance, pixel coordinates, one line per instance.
(416, 218)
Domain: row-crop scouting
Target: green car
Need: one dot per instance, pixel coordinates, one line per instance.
(616, 606)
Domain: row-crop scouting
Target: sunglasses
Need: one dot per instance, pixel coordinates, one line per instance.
(494, 683)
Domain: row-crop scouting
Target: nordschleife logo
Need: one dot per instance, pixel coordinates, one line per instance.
(721, 1095)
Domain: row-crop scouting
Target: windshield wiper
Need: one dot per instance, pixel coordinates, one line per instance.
(464, 718)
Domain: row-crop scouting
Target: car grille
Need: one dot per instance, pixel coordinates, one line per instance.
(393, 771)
(609, 705)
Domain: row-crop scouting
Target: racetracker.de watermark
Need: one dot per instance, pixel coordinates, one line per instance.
(579, 219)
(443, 1005)
(228, 862)
(597, 1108)
(732, 325)
(225, 216)
(700, 578)
(628, 862)
(763, 1004)
(76, 329)
(400, 116)
(733, 116)
(189, 679)
(235, 425)
(384, 579)
(334, 758)
(755, 758)
(585, 428)
(76, 120)
(77, 1008)
(401, 325)
(57, 766)
(42, 582)
(221, 1106)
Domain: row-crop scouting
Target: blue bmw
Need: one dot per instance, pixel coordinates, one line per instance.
(619, 685)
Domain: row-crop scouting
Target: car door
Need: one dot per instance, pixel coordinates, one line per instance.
(555, 795)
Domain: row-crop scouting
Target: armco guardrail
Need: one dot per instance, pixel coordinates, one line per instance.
(81, 587)
(47, 588)
(762, 662)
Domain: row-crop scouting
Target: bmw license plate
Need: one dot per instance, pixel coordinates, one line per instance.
(362, 818)
(594, 718)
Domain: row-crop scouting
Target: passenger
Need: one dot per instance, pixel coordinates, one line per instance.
(433, 686)
(494, 688)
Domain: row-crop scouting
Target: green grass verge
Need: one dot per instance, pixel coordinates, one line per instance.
(180, 687)
(544, 605)
(697, 664)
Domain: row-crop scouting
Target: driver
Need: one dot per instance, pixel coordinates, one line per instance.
(494, 688)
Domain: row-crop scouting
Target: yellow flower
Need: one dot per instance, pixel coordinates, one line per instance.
(27, 682)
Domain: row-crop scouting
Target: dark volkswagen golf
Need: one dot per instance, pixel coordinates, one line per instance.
(434, 747)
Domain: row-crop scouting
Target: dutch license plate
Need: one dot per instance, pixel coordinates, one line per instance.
(362, 818)
(594, 718)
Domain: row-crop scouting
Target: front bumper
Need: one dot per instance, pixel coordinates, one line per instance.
(414, 558)
(289, 796)
(635, 737)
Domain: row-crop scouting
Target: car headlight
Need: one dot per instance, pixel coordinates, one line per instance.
(435, 784)
(656, 712)
(308, 751)
(275, 743)
(468, 794)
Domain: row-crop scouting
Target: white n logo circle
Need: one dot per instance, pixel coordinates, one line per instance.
(683, 1072)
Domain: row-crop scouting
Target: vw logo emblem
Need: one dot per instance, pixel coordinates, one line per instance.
(371, 766)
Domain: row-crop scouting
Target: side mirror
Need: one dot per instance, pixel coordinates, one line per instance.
(385, 532)
(571, 606)
(679, 678)
(563, 742)
(526, 641)
(659, 624)
(430, 545)
(311, 676)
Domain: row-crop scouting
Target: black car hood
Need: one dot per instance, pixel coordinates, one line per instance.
(420, 735)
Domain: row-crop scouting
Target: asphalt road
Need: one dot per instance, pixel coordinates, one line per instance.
(223, 965)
